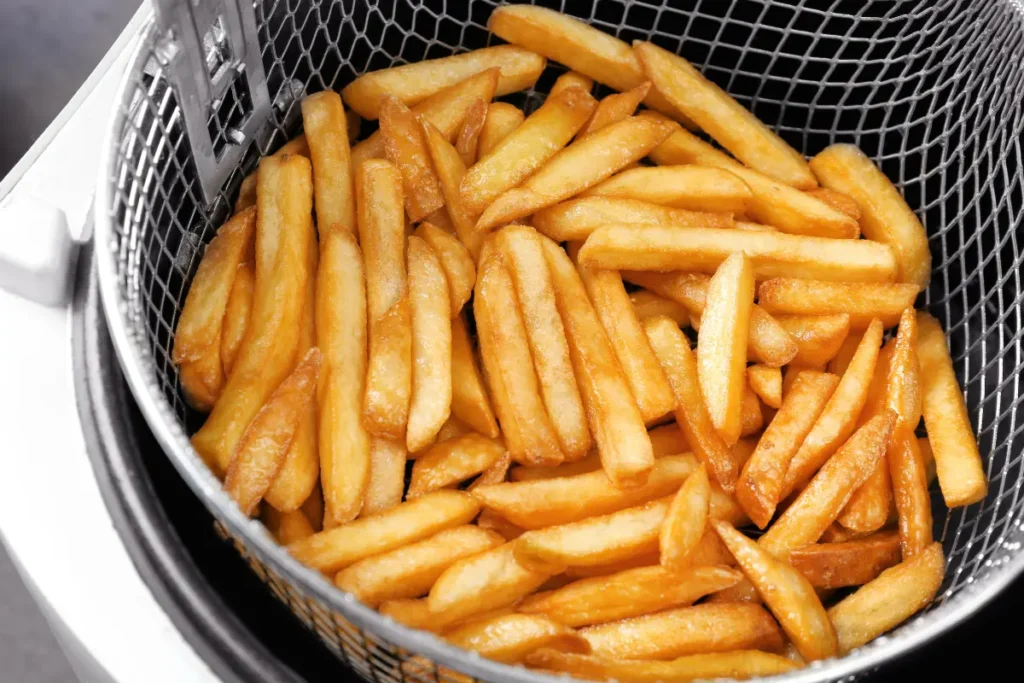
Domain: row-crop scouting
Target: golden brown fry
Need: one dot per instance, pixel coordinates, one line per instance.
(497, 523)
(766, 382)
(835, 565)
(886, 217)
(957, 460)
(751, 416)
(591, 463)
(247, 192)
(696, 188)
(509, 638)
(615, 107)
(405, 147)
(648, 559)
(738, 664)
(236, 316)
(416, 82)
(577, 218)
(887, 601)
(456, 261)
(469, 135)
(410, 571)
(863, 302)
(453, 461)
(760, 486)
(286, 527)
(323, 119)
(818, 337)
(313, 508)
(772, 254)
(386, 479)
(469, 397)
(843, 357)
(502, 118)
(722, 344)
(650, 305)
(202, 379)
(838, 200)
(571, 79)
(685, 522)
(450, 172)
(497, 473)
(786, 592)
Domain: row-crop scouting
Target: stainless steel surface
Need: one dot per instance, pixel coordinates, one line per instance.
(932, 91)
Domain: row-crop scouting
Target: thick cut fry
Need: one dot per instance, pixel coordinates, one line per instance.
(839, 417)
(410, 571)
(761, 483)
(450, 172)
(334, 549)
(843, 357)
(456, 261)
(863, 302)
(497, 473)
(591, 463)
(502, 118)
(612, 414)
(885, 215)
(685, 631)
(685, 522)
(405, 147)
(668, 440)
(529, 434)
(903, 384)
(495, 522)
(680, 366)
(453, 428)
(509, 638)
(577, 218)
(341, 314)
(957, 460)
(571, 79)
(524, 253)
(236, 316)
(414, 83)
(789, 595)
(287, 527)
(853, 563)
(469, 397)
(838, 200)
(452, 462)
(313, 508)
(386, 480)
(738, 664)
(581, 165)
(247, 193)
(772, 254)
(527, 148)
(268, 352)
(806, 519)
(323, 119)
(469, 135)
(722, 117)
(817, 337)
(751, 416)
(615, 107)
(650, 305)
(202, 379)
(202, 317)
(630, 593)
(696, 188)
(484, 582)
(910, 492)
(898, 593)
(722, 344)
(766, 382)
(649, 559)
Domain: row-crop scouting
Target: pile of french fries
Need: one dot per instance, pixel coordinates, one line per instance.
(514, 444)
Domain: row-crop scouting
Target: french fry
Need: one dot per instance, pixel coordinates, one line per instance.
(453, 461)
(786, 592)
(417, 614)
(722, 344)
(722, 117)
(838, 200)
(469, 135)
(817, 337)
(863, 302)
(452, 428)
(581, 165)
(760, 486)
(843, 357)
(630, 593)
(853, 563)
(885, 215)
(571, 79)
(766, 382)
(286, 527)
(502, 118)
(236, 316)
(202, 380)
(897, 594)
(686, 631)
(767, 341)
(469, 397)
(591, 463)
(410, 571)
(612, 414)
(497, 523)
(680, 366)
(685, 522)
(323, 119)
(577, 218)
(450, 172)
(772, 254)
(650, 305)
(821, 501)
(334, 549)
(615, 107)
(755, 227)
(267, 354)
(957, 460)
(386, 479)
(456, 261)
(496, 473)
(414, 83)
(737, 664)
(341, 333)
(523, 252)
(695, 188)
(247, 192)
(313, 508)
(405, 147)
(509, 638)
(648, 559)
(481, 583)
(527, 148)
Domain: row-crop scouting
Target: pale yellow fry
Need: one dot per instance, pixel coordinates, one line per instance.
(469, 134)
(897, 594)
(766, 382)
(323, 119)
(405, 147)
(697, 188)
(456, 261)
(236, 316)
(685, 522)
(470, 402)
(615, 107)
(722, 117)
(863, 302)
(571, 79)
(650, 305)
(509, 638)
(414, 83)
(386, 482)
(452, 462)
(885, 215)
(772, 254)
(286, 527)
(502, 118)
(247, 192)
(853, 563)
(577, 218)
(410, 571)
(450, 172)
(817, 337)
(737, 664)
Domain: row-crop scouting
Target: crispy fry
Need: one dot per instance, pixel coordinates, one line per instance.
(766, 382)
(313, 508)
(886, 217)
(863, 302)
(760, 485)
(581, 165)
(630, 593)
(495, 522)
(416, 82)
(247, 192)
(627, 247)
(571, 79)
(469, 135)
(835, 565)
(502, 118)
(789, 595)
(650, 305)
(469, 397)
(818, 337)
(453, 461)
(236, 316)
(612, 414)
(386, 481)
(591, 463)
(450, 172)
(323, 119)
(648, 559)
(510, 638)
(577, 218)
(202, 379)
(696, 188)
(287, 527)
(456, 261)
(885, 602)
(684, 524)
(615, 107)
(751, 415)
(843, 357)
(738, 664)
(497, 473)
(410, 571)
(405, 147)
(838, 200)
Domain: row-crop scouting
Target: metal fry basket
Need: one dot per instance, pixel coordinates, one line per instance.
(932, 90)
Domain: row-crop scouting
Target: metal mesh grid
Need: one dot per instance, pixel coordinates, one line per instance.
(932, 91)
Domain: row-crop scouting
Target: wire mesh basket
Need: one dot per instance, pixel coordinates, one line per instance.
(931, 90)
